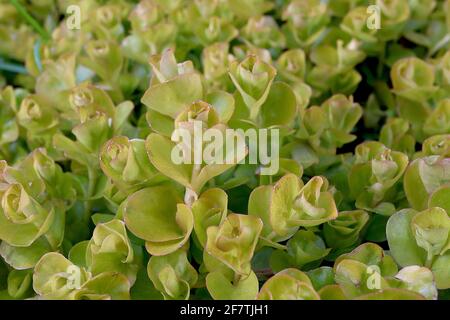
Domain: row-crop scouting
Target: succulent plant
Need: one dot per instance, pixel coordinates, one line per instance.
(225, 149)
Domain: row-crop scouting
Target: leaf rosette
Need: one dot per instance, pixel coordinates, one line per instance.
(423, 177)
(346, 229)
(172, 275)
(110, 250)
(56, 278)
(253, 78)
(126, 162)
(289, 284)
(421, 239)
(375, 172)
(413, 79)
(233, 242)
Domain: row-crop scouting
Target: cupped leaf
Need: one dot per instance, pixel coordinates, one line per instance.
(418, 279)
(401, 240)
(423, 177)
(391, 294)
(55, 277)
(209, 210)
(110, 250)
(21, 258)
(105, 286)
(314, 204)
(441, 271)
(370, 254)
(126, 161)
(282, 205)
(280, 107)
(221, 288)
(233, 242)
(431, 229)
(22, 218)
(289, 284)
(346, 229)
(172, 274)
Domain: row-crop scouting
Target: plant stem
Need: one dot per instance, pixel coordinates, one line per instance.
(237, 278)
(190, 196)
(381, 61)
(31, 21)
(92, 176)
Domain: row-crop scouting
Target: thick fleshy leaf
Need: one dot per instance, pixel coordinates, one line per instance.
(252, 78)
(221, 288)
(305, 247)
(55, 277)
(282, 205)
(321, 277)
(172, 96)
(440, 198)
(375, 171)
(223, 103)
(357, 278)
(441, 271)
(105, 286)
(233, 242)
(22, 218)
(391, 294)
(370, 254)
(21, 258)
(209, 210)
(110, 250)
(314, 204)
(332, 292)
(165, 225)
(19, 283)
(413, 78)
(159, 149)
(289, 284)
(172, 274)
(346, 229)
(126, 161)
(431, 229)
(402, 244)
(280, 107)
(423, 177)
(418, 279)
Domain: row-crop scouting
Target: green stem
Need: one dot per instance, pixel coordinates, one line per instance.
(381, 61)
(31, 21)
(237, 278)
(254, 112)
(429, 260)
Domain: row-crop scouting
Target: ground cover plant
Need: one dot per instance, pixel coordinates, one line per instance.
(349, 199)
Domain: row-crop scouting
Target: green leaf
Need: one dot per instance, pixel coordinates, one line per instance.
(233, 242)
(24, 257)
(209, 210)
(221, 288)
(172, 96)
(156, 216)
(289, 284)
(402, 244)
(172, 274)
